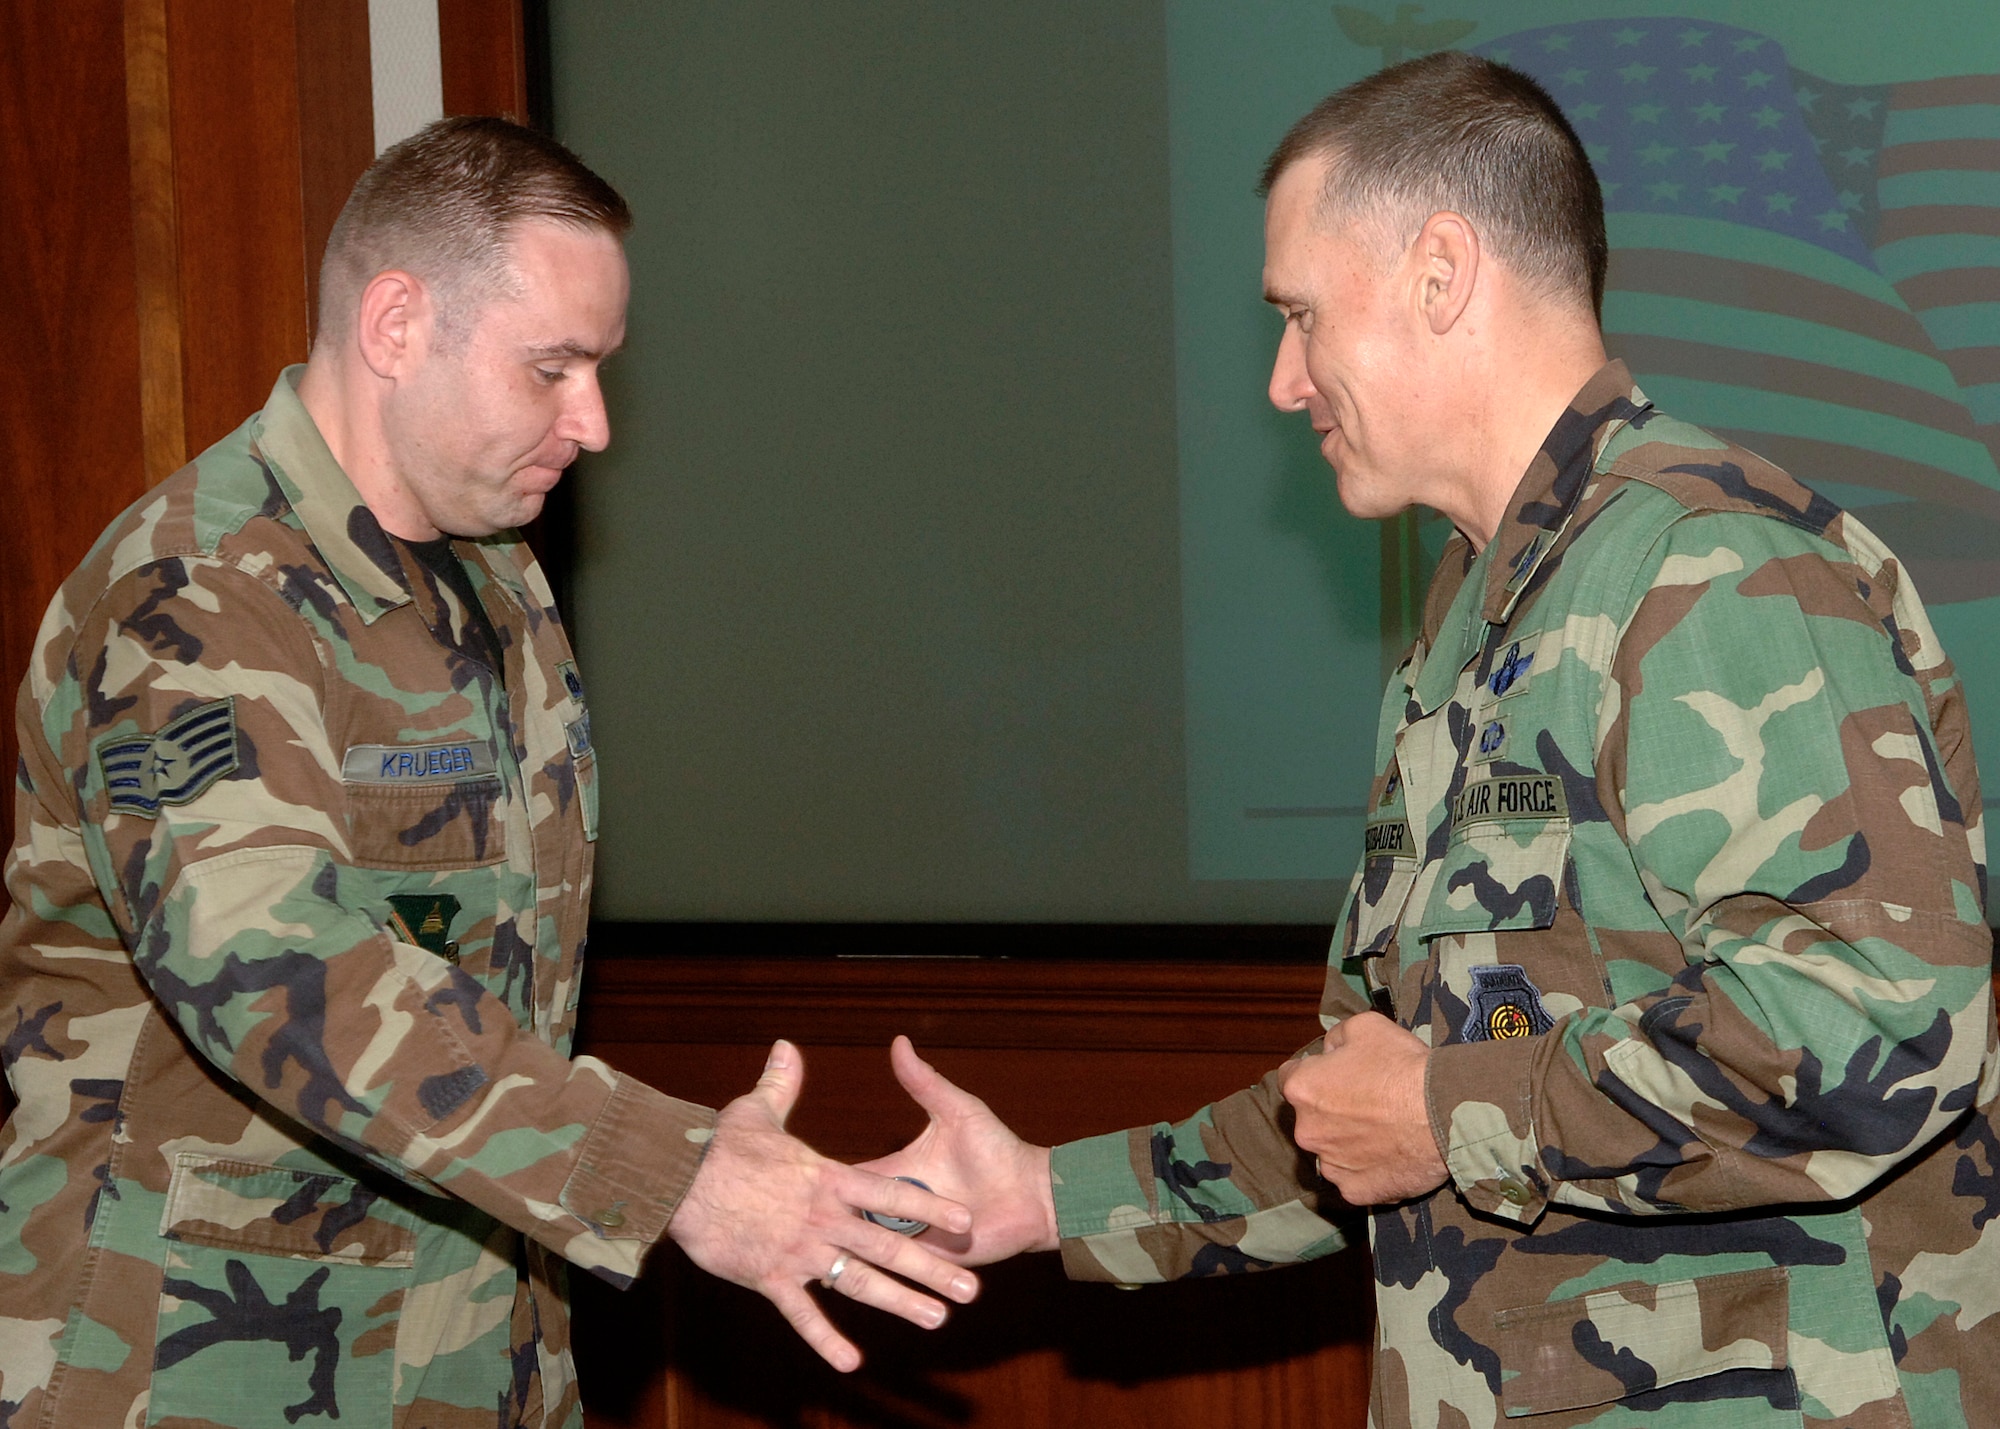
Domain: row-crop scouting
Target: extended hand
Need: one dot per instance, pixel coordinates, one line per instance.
(1361, 1111)
(768, 1212)
(970, 1155)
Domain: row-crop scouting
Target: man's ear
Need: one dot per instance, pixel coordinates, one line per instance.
(1448, 257)
(393, 326)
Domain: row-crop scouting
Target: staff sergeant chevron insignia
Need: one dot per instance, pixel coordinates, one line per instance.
(173, 765)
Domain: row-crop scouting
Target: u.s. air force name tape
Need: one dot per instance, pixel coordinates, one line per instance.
(1511, 796)
(172, 765)
(417, 763)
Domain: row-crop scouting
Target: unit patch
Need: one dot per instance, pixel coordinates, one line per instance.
(1491, 742)
(1510, 796)
(174, 764)
(425, 920)
(1505, 1005)
(572, 681)
(416, 763)
(578, 733)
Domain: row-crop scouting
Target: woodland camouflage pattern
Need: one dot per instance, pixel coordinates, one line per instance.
(1676, 860)
(290, 979)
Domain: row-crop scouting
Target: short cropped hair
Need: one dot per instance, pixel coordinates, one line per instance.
(1455, 131)
(443, 205)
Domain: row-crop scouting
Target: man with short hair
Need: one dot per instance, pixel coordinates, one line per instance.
(307, 803)
(1659, 1033)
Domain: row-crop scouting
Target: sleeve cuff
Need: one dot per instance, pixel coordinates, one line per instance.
(1095, 1187)
(632, 1170)
(1481, 1101)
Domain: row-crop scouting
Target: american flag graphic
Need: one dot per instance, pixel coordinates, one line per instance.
(1809, 268)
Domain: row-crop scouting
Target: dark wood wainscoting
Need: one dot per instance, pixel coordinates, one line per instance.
(1059, 1049)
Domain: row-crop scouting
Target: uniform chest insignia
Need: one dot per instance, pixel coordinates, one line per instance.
(1505, 1005)
(577, 732)
(1389, 838)
(173, 765)
(425, 919)
(572, 682)
(417, 763)
(1512, 671)
(1491, 741)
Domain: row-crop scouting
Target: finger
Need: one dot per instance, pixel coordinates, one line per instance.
(904, 1200)
(784, 1073)
(928, 1087)
(804, 1315)
(914, 1260)
(866, 1284)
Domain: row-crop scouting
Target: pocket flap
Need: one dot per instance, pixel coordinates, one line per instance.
(273, 1210)
(1600, 1347)
(1498, 874)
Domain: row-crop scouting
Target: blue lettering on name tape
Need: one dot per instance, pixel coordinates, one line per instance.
(417, 763)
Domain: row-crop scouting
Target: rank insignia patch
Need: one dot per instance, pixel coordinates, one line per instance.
(1505, 1005)
(424, 919)
(174, 764)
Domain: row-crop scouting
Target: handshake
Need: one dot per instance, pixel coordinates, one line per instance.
(768, 1212)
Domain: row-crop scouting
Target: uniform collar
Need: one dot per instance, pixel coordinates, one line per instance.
(1553, 484)
(342, 528)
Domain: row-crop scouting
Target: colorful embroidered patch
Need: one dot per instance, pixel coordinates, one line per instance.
(416, 763)
(425, 919)
(173, 765)
(1505, 1005)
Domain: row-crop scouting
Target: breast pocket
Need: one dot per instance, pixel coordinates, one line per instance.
(281, 1296)
(431, 806)
(1503, 954)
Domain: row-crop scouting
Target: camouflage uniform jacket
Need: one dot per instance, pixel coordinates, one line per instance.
(1675, 861)
(290, 978)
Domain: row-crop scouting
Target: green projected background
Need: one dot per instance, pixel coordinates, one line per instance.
(1804, 205)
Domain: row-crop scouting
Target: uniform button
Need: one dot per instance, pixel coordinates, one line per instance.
(610, 1219)
(1514, 1191)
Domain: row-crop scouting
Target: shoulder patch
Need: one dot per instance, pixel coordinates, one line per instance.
(173, 765)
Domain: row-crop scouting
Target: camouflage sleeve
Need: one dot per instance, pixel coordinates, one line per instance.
(1785, 760)
(1223, 1191)
(244, 913)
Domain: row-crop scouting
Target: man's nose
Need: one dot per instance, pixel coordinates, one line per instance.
(584, 419)
(1290, 386)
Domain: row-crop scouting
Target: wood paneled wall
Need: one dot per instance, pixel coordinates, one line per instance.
(169, 171)
(1059, 1050)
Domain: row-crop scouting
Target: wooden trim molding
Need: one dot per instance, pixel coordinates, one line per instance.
(156, 239)
(863, 1002)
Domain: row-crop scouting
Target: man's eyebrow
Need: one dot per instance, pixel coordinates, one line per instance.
(566, 348)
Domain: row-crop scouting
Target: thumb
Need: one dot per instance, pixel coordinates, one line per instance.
(928, 1087)
(784, 1073)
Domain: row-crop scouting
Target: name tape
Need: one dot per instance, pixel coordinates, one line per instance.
(1390, 838)
(416, 763)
